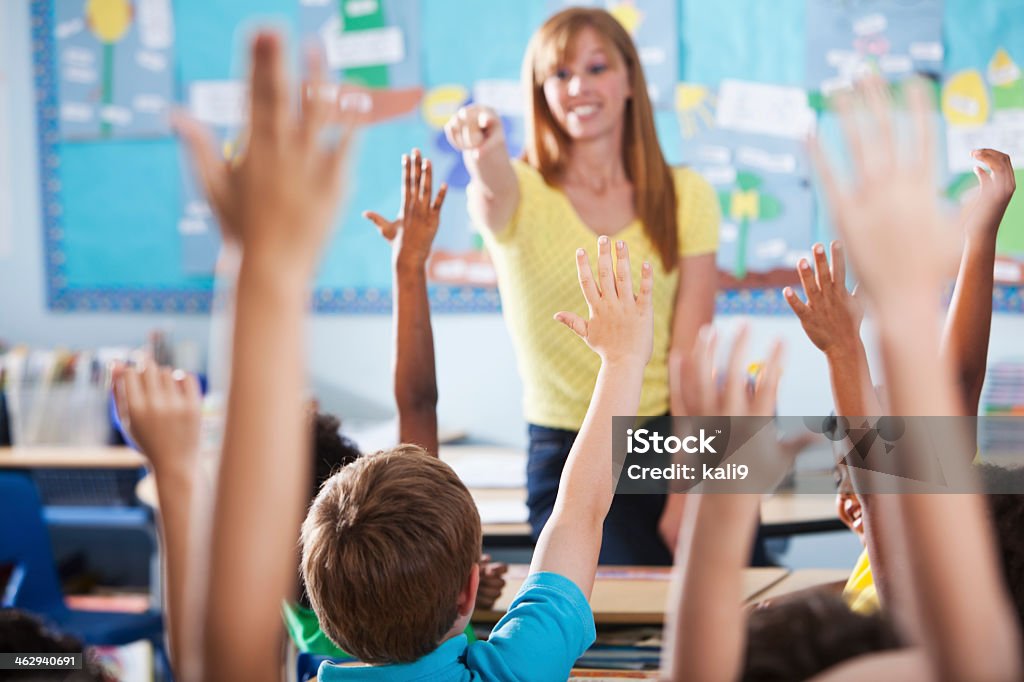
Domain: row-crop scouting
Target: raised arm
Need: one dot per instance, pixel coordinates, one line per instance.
(893, 202)
(705, 615)
(969, 321)
(162, 411)
(831, 318)
(493, 190)
(694, 308)
(621, 331)
(411, 235)
(280, 198)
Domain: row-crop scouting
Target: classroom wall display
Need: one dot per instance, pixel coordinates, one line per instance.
(114, 63)
(847, 38)
(983, 103)
(747, 140)
(737, 87)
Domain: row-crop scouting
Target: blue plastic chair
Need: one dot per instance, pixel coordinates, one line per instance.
(25, 543)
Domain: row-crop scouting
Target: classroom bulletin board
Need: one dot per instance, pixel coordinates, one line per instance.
(737, 87)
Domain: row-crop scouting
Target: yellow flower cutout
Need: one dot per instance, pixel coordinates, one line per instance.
(745, 204)
(108, 19)
(628, 15)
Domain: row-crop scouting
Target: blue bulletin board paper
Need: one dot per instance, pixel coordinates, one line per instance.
(115, 66)
(126, 229)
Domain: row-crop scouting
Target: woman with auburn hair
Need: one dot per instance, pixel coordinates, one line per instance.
(592, 165)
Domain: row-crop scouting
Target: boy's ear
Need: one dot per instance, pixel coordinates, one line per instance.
(467, 597)
(850, 512)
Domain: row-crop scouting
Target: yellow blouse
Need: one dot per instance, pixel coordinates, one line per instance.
(534, 257)
(860, 593)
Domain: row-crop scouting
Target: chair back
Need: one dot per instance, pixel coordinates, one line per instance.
(25, 544)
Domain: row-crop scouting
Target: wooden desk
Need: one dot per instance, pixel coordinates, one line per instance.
(70, 457)
(629, 595)
(804, 579)
(497, 491)
(782, 514)
(503, 509)
(793, 514)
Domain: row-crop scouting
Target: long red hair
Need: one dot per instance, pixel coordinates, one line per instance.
(548, 146)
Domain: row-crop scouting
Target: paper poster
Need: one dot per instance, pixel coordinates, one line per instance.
(375, 43)
(983, 105)
(222, 107)
(764, 109)
(652, 24)
(847, 39)
(115, 67)
(755, 160)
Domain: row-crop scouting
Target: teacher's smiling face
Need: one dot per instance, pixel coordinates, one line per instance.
(587, 92)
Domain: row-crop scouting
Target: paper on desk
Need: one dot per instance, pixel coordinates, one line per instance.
(374, 435)
(502, 511)
(491, 470)
(371, 436)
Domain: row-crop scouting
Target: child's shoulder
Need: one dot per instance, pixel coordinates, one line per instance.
(548, 626)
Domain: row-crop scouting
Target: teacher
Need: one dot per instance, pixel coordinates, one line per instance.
(591, 166)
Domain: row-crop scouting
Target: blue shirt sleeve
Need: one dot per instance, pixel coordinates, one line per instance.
(548, 626)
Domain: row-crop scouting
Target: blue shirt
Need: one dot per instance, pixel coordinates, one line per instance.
(548, 626)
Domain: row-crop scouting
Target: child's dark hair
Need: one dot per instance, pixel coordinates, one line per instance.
(1005, 497)
(799, 638)
(23, 632)
(331, 450)
(795, 639)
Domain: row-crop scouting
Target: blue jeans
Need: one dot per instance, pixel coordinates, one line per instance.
(631, 528)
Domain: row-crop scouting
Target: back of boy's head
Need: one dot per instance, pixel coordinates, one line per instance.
(331, 451)
(795, 639)
(387, 547)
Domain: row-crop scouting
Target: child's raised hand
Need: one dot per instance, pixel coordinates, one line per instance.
(621, 325)
(475, 128)
(412, 232)
(492, 582)
(161, 409)
(709, 395)
(888, 213)
(831, 316)
(279, 196)
(996, 187)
